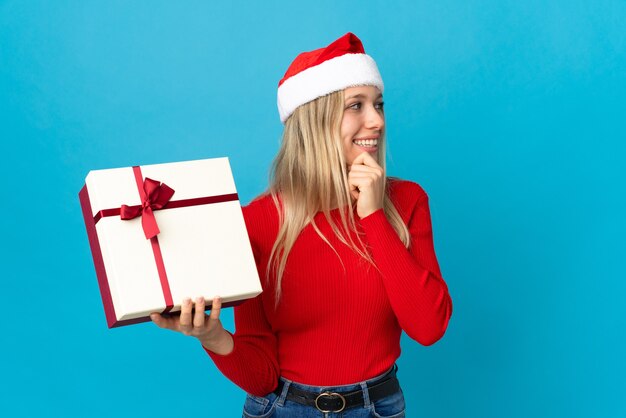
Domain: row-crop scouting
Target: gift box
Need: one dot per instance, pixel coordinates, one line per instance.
(162, 232)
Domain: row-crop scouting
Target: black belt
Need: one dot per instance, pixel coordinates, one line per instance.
(337, 402)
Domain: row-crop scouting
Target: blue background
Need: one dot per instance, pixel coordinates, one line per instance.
(510, 114)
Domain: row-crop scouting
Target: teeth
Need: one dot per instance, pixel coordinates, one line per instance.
(366, 142)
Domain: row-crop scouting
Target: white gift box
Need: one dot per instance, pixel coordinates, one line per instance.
(202, 249)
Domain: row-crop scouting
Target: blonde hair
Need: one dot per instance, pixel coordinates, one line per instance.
(309, 174)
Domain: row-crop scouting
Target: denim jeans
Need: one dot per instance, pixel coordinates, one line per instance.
(276, 406)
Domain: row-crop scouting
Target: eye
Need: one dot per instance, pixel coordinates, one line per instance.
(380, 105)
(355, 106)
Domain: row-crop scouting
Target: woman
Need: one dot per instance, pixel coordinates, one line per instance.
(345, 255)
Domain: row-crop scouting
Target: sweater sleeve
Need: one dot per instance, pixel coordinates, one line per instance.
(417, 293)
(253, 363)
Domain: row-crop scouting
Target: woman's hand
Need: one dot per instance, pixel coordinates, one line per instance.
(206, 328)
(365, 178)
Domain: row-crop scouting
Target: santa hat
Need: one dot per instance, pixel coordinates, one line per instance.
(317, 73)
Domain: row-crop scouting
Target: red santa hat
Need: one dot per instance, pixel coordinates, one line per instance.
(317, 73)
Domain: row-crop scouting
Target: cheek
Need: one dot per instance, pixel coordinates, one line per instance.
(350, 152)
(348, 146)
(349, 125)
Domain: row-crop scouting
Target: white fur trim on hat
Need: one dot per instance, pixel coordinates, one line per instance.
(336, 74)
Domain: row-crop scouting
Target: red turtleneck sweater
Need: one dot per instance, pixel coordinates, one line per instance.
(338, 324)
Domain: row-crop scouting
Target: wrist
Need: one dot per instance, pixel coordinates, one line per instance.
(221, 344)
(371, 212)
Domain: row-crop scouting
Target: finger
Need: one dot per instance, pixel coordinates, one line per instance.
(354, 188)
(185, 314)
(198, 318)
(366, 159)
(157, 319)
(162, 322)
(376, 173)
(362, 175)
(216, 308)
(369, 173)
(362, 179)
(363, 168)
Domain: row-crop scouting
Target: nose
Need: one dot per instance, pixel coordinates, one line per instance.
(375, 119)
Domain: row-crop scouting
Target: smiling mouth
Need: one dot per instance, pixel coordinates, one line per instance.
(367, 144)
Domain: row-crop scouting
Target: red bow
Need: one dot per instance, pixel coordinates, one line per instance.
(155, 197)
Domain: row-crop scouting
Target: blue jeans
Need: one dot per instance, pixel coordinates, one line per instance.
(276, 406)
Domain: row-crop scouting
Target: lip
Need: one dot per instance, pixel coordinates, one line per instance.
(371, 150)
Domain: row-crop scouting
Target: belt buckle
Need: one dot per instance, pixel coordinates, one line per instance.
(330, 394)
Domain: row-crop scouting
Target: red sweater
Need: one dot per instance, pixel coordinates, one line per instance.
(335, 326)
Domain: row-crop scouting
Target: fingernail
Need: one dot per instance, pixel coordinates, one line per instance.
(200, 299)
(187, 301)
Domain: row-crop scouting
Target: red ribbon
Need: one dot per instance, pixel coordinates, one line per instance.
(154, 197)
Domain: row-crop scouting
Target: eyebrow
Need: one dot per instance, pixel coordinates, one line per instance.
(363, 96)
